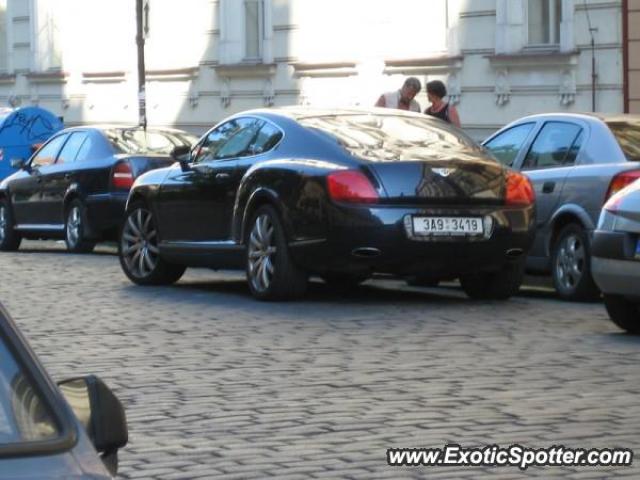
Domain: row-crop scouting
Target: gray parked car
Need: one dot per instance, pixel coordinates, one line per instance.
(616, 257)
(49, 431)
(575, 162)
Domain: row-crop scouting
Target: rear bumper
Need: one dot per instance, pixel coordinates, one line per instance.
(379, 239)
(106, 211)
(614, 265)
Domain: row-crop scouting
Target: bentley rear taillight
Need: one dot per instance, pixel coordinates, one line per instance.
(519, 191)
(351, 186)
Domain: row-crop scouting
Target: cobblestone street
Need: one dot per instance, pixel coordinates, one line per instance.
(218, 385)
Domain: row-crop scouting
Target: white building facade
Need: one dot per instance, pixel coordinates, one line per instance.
(205, 59)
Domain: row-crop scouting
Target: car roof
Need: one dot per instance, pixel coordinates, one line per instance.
(107, 126)
(300, 112)
(586, 116)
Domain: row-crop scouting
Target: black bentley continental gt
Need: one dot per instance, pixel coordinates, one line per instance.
(341, 194)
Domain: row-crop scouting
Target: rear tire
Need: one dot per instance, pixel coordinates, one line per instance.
(624, 313)
(271, 272)
(9, 238)
(138, 250)
(571, 265)
(75, 229)
(498, 285)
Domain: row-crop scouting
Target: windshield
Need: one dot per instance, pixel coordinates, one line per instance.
(627, 133)
(24, 416)
(389, 137)
(132, 141)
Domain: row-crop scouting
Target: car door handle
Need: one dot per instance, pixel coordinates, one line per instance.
(67, 176)
(548, 187)
(223, 176)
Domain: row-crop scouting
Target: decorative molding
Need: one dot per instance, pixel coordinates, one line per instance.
(424, 66)
(503, 88)
(333, 69)
(47, 77)
(568, 87)
(268, 93)
(103, 77)
(225, 93)
(245, 70)
(174, 74)
(194, 98)
(454, 90)
(564, 63)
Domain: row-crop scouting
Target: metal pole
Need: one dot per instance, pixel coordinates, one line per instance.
(142, 101)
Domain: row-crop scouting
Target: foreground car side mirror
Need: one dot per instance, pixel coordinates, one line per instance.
(18, 163)
(101, 414)
(182, 154)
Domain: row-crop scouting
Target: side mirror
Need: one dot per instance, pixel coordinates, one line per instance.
(18, 163)
(101, 414)
(181, 154)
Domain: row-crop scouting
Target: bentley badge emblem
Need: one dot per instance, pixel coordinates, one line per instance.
(443, 172)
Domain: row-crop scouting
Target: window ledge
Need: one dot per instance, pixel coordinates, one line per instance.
(417, 66)
(246, 70)
(7, 78)
(175, 74)
(48, 77)
(334, 69)
(535, 57)
(103, 77)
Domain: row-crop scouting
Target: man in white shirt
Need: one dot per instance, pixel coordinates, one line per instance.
(402, 99)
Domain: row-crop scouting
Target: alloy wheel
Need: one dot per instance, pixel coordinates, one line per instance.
(74, 225)
(261, 253)
(570, 262)
(4, 221)
(139, 243)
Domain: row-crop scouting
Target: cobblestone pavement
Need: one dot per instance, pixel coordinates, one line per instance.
(217, 385)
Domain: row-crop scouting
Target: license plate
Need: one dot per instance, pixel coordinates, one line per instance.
(447, 226)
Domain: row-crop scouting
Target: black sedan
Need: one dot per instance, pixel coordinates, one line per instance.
(285, 194)
(75, 186)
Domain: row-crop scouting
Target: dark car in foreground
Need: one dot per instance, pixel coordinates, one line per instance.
(76, 185)
(616, 257)
(576, 162)
(68, 431)
(285, 194)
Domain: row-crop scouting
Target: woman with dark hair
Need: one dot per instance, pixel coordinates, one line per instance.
(436, 91)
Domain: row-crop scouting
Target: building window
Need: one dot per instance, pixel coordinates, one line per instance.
(544, 17)
(254, 28)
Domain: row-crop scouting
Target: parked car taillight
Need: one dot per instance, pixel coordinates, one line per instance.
(519, 190)
(122, 176)
(351, 186)
(620, 181)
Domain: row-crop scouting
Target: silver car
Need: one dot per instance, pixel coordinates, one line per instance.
(616, 257)
(575, 162)
(69, 431)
